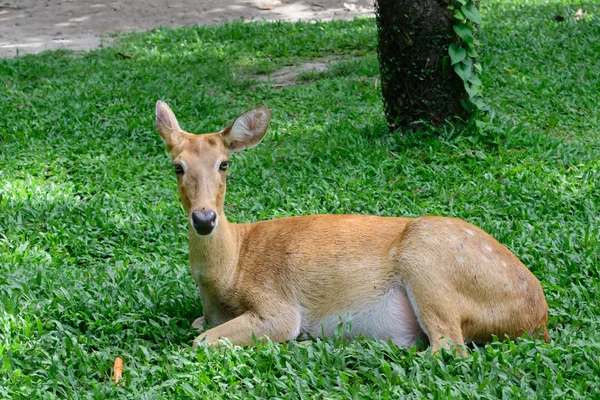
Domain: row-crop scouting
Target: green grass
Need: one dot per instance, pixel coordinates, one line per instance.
(93, 253)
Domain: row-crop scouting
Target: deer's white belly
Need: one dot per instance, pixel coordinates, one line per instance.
(392, 318)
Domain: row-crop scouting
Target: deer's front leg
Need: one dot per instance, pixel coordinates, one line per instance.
(279, 328)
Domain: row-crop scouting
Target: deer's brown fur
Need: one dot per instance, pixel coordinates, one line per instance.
(432, 278)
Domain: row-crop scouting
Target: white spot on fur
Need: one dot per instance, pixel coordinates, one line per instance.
(469, 232)
(524, 285)
(488, 247)
(392, 318)
(504, 264)
(448, 222)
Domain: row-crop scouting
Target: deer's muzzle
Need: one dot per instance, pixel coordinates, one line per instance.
(204, 221)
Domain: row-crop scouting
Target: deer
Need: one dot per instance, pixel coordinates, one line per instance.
(432, 279)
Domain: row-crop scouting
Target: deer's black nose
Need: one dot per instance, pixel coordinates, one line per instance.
(204, 221)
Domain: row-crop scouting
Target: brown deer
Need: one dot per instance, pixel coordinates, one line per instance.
(435, 279)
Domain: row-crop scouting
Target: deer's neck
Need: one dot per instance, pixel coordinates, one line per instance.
(213, 258)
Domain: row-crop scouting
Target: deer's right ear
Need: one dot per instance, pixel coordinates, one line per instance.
(167, 125)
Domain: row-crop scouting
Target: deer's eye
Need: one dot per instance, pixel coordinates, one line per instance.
(178, 169)
(223, 166)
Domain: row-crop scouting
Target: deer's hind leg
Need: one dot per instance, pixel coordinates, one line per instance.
(428, 273)
(437, 319)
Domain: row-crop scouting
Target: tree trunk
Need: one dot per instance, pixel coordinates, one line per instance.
(418, 82)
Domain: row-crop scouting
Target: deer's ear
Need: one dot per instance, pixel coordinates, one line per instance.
(248, 129)
(167, 125)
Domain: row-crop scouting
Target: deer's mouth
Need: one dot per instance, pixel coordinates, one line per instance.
(204, 230)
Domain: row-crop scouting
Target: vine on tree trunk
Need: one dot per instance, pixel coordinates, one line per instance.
(463, 53)
(418, 83)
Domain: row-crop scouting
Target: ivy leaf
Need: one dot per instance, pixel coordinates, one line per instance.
(472, 13)
(474, 79)
(472, 90)
(462, 70)
(471, 52)
(480, 104)
(469, 63)
(457, 54)
(464, 32)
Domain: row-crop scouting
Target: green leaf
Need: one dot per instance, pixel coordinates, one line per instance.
(479, 103)
(472, 13)
(468, 62)
(474, 79)
(472, 90)
(464, 32)
(459, 15)
(457, 54)
(471, 52)
(463, 71)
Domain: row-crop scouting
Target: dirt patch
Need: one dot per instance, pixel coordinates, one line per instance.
(288, 75)
(31, 26)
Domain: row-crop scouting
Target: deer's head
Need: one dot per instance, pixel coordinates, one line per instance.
(200, 161)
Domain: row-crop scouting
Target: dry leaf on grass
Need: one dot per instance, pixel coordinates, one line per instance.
(118, 368)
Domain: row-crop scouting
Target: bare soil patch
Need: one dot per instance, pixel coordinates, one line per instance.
(31, 26)
(288, 75)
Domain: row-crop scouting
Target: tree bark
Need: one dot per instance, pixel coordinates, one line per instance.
(418, 82)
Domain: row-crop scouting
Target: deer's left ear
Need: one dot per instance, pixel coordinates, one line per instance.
(248, 129)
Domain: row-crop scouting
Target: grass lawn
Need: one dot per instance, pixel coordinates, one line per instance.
(93, 246)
